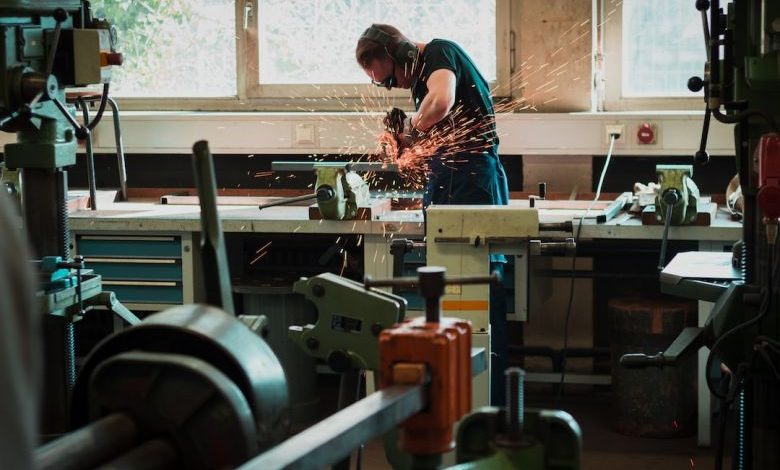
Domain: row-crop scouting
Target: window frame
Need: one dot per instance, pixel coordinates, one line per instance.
(252, 96)
(610, 19)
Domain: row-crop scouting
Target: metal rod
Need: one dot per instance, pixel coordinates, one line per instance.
(212, 244)
(287, 200)
(88, 446)
(120, 150)
(494, 279)
(331, 439)
(90, 154)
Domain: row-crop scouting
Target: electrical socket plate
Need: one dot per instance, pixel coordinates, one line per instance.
(610, 129)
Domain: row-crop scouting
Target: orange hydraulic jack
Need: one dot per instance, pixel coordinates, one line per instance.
(434, 351)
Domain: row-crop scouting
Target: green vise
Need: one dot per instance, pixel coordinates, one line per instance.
(339, 192)
(551, 440)
(349, 321)
(678, 194)
(514, 437)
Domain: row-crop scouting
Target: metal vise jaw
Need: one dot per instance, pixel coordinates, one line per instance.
(349, 321)
(339, 192)
(678, 193)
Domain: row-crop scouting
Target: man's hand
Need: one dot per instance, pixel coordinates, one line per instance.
(394, 121)
(409, 135)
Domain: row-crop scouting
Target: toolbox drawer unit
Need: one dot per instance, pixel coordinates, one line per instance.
(145, 272)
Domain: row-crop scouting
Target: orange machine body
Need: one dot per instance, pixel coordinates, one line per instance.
(445, 350)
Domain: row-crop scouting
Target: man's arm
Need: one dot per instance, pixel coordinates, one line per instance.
(438, 102)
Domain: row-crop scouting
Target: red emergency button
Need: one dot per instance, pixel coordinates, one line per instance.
(646, 133)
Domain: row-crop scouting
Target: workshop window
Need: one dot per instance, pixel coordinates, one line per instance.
(296, 55)
(173, 48)
(306, 48)
(650, 50)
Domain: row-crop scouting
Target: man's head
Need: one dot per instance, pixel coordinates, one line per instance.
(387, 56)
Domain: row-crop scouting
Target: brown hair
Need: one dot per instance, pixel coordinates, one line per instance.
(369, 50)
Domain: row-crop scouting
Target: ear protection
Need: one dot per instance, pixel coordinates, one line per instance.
(404, 52)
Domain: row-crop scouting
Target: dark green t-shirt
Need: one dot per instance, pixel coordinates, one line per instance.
(473, 120)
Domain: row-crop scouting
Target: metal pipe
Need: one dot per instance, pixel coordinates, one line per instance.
(157, 454)
(89, 446)
(120, 150)
(90, 154)
(331, 439)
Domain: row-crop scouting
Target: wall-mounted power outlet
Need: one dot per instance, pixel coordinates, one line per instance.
(614, 129)
(305, 135)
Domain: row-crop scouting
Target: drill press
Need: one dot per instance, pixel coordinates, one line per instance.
(48, 46)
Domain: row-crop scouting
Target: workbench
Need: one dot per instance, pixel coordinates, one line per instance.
(151, 223)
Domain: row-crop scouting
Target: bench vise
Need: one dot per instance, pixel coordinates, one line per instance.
(339, 190)
(678, 194)
(349, 321)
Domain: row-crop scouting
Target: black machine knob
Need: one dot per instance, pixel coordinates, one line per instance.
(325, 193)
(695, 84)
(702, 5)
(701, 157)
(671, 197)
(339, 361)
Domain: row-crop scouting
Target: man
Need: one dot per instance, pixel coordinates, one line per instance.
(453, 131)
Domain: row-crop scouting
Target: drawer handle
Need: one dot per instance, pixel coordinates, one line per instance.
(130, 260)
(141, 283)
(125, 239)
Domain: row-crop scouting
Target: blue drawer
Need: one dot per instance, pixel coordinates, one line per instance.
(147, 294)
(129, 246)
(155, 270)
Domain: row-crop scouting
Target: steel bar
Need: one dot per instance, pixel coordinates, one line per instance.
(333, 438)
(88, 446)
(349, 166)
(212, 244)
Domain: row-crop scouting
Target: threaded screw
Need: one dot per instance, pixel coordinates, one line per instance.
(515, 378)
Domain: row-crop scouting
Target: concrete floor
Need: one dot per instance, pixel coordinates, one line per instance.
(603, 448)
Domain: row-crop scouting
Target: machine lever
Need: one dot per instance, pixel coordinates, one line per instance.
(688, 341)
(212, 243)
